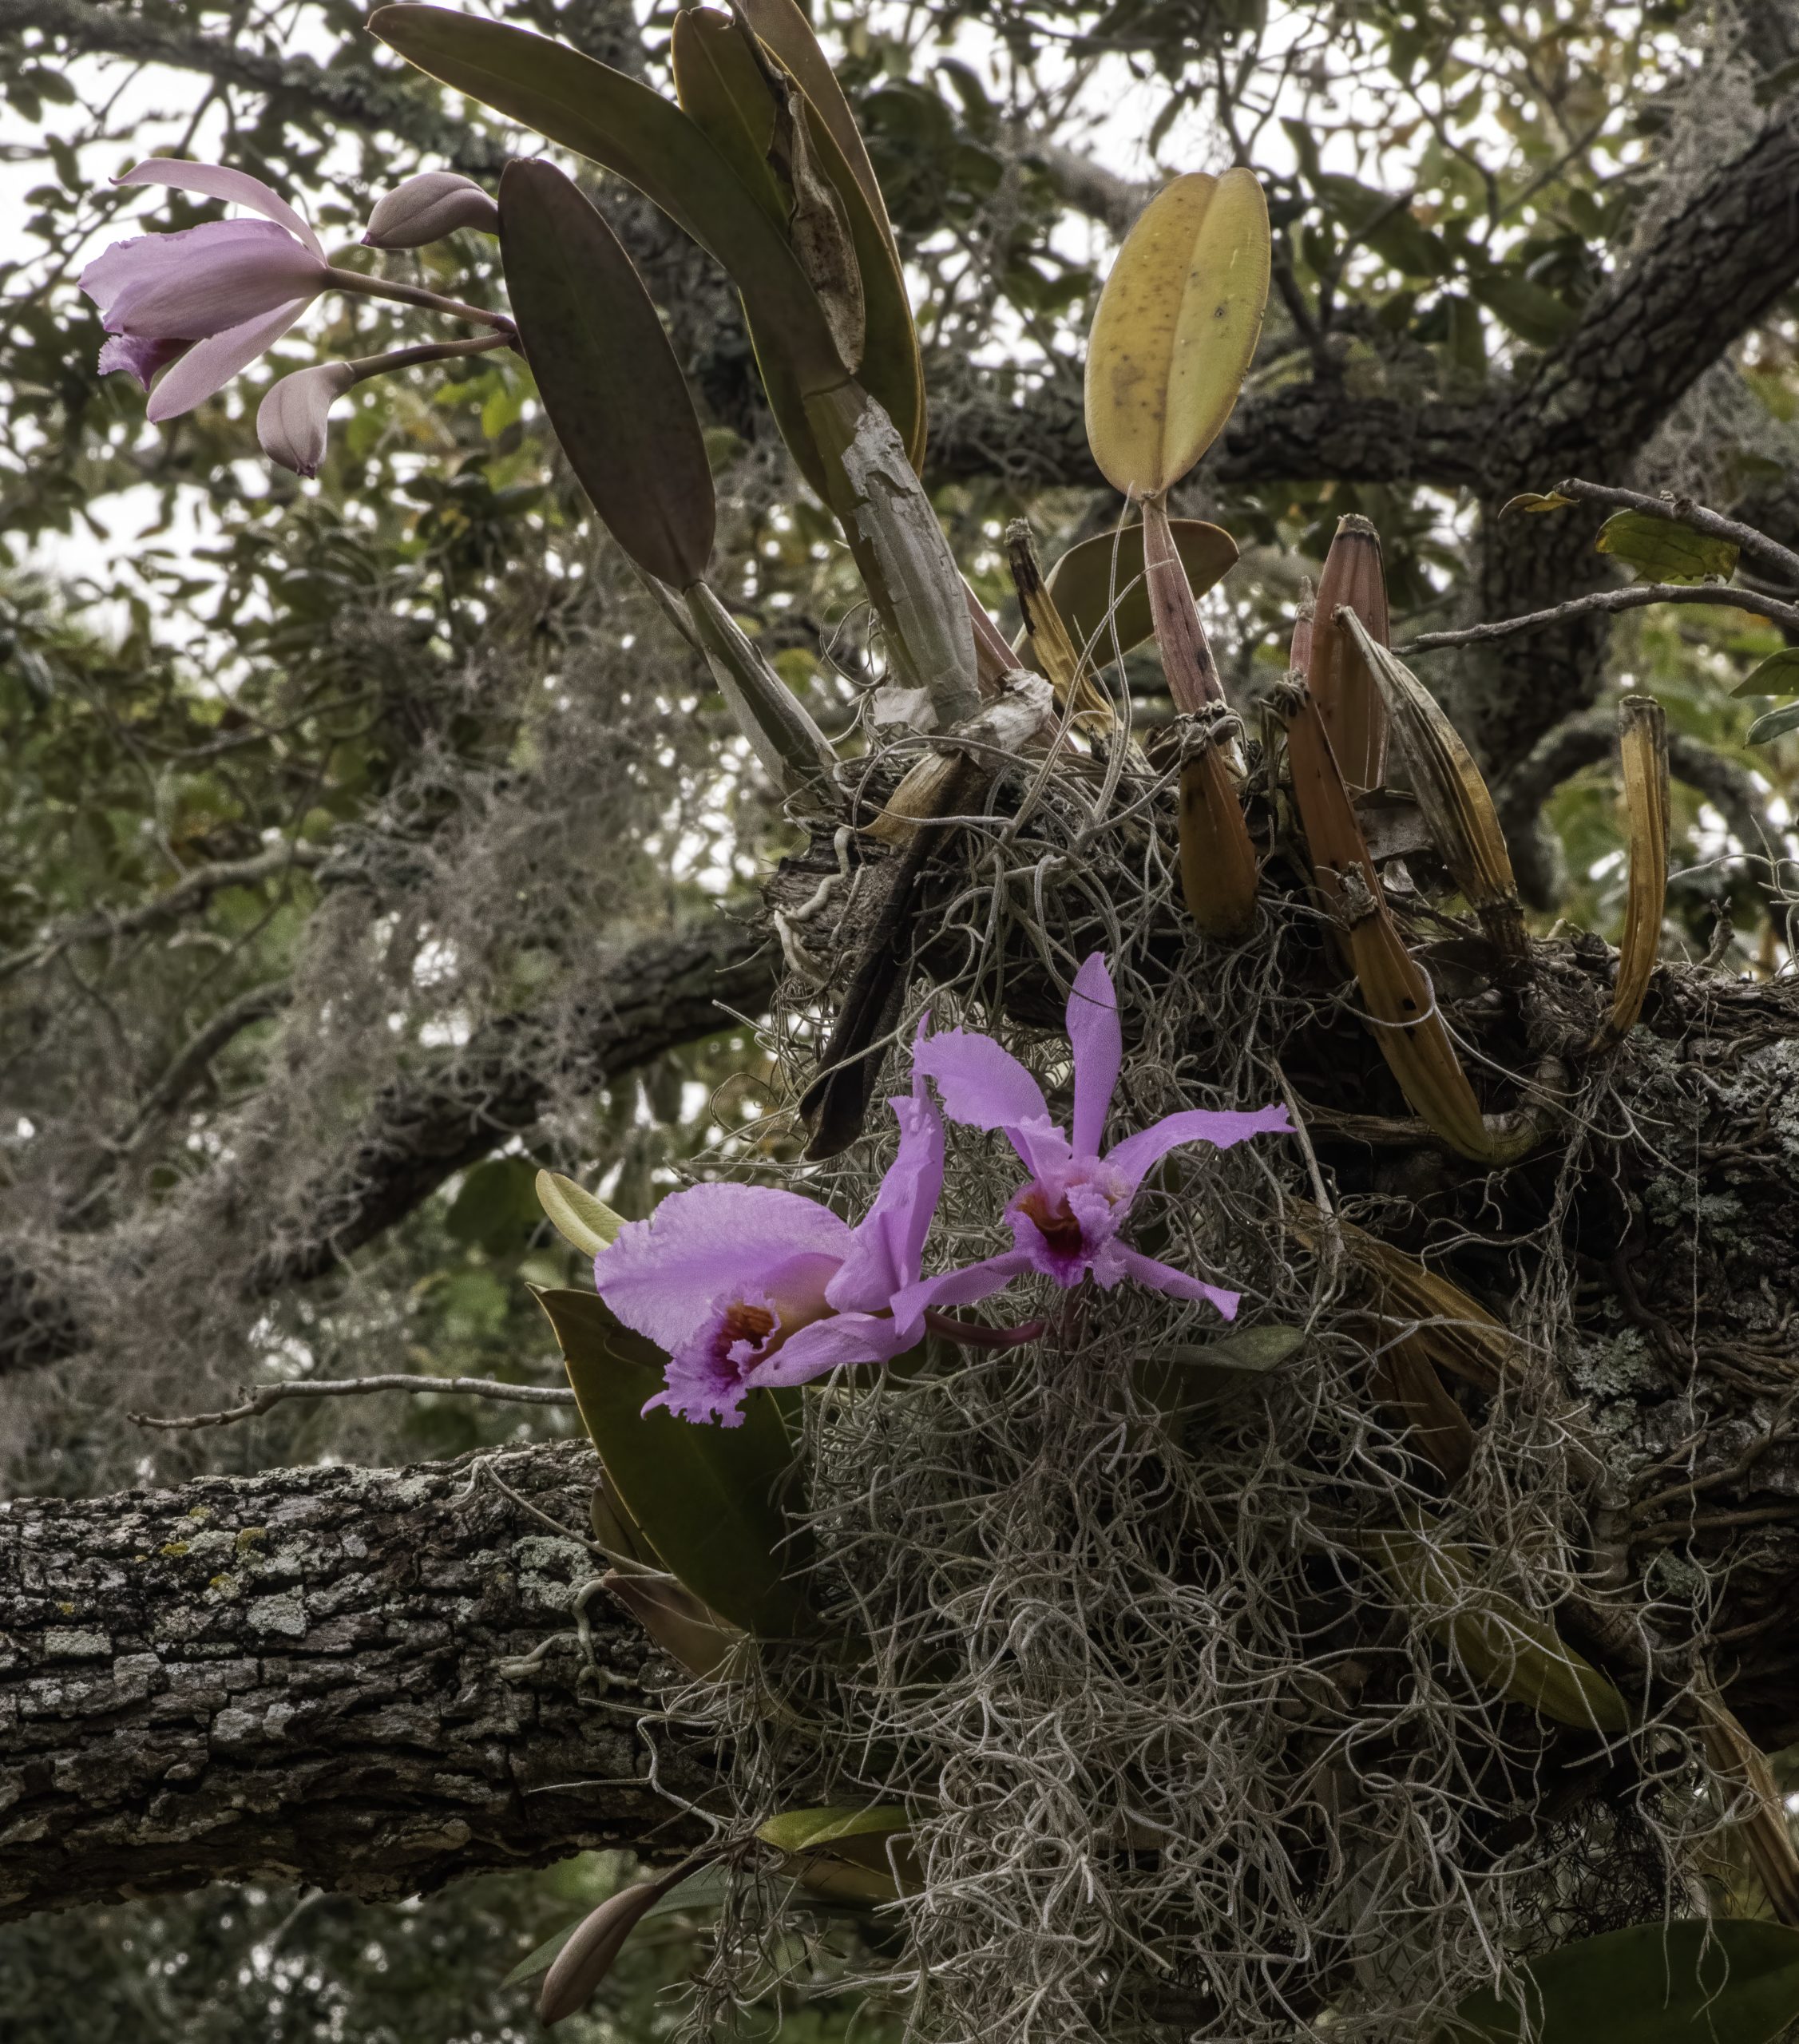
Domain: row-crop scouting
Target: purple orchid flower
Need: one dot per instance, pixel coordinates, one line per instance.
(197, 306)
(748, 1286)
(1066, 1217)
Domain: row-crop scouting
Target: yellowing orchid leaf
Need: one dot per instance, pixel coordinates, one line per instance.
(804, 1831)
(1176, 327)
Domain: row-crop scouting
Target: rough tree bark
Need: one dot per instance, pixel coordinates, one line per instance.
(316, 1675)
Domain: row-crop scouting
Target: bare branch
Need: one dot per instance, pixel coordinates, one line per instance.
(1638, 596)
(193, 891)
(369, 1680)
(1683, 511)
(272, 1395)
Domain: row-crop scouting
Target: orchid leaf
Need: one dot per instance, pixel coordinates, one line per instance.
(804, 1831)
(616, 121)
(1509, 1650)
(1776, 675)
(725, 93)
(782, 26)
(846, 1854)
(1662, 550)
(607, 376)
(1084, 580)
(1176, 327)
(1535, 502)
(1729, 1981)
(708, 1498)
(1776, 723)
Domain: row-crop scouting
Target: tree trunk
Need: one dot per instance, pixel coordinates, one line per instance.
(315, 1675)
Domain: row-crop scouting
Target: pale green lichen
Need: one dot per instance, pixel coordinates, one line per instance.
(1619, 1370)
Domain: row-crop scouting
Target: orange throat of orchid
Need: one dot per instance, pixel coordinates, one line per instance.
(744, 1323)
(1052, 1220)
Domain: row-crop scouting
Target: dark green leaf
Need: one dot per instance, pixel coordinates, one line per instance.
(541, 1960)
(1776, 724)
(724, 92)
(618, 122)
(1386, 224)
(708, 1498)
(1304, 149)
(1533, 313)
(1663, 551)
(1177, 1380)
(1468, 334)
(1778, 675)
(1728, 1981)
(606, 375)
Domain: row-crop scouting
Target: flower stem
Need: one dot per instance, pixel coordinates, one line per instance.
(975, 1334)
(354, 281)
(379, 365)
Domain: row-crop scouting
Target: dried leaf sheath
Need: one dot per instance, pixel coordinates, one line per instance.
(1354, 717)
(1050, 639)
(1451, 793)
(1400, 1000)
(1219, 869)
(1643, 740)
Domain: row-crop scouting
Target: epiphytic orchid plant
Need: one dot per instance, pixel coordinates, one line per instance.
(690, 1357)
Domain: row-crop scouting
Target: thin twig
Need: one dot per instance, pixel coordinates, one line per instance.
(1638, 596)
(358, 1387)
(194, 889)
(1683, 511)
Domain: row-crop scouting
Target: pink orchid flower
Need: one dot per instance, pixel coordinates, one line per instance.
(200, 304)
(1066, 1217)
(747, 1285)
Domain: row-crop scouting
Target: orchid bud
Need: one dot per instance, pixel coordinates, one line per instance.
(292, 420)
(428, 207)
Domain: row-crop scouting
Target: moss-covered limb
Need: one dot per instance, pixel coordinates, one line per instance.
(314, 1675)
(447, 1114)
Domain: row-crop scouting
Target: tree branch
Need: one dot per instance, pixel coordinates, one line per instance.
(193, 891)
(1595, 401)
(267, 1396)
(1313, 431)
(1635, 596)
(654, 996)
(316, 1675)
